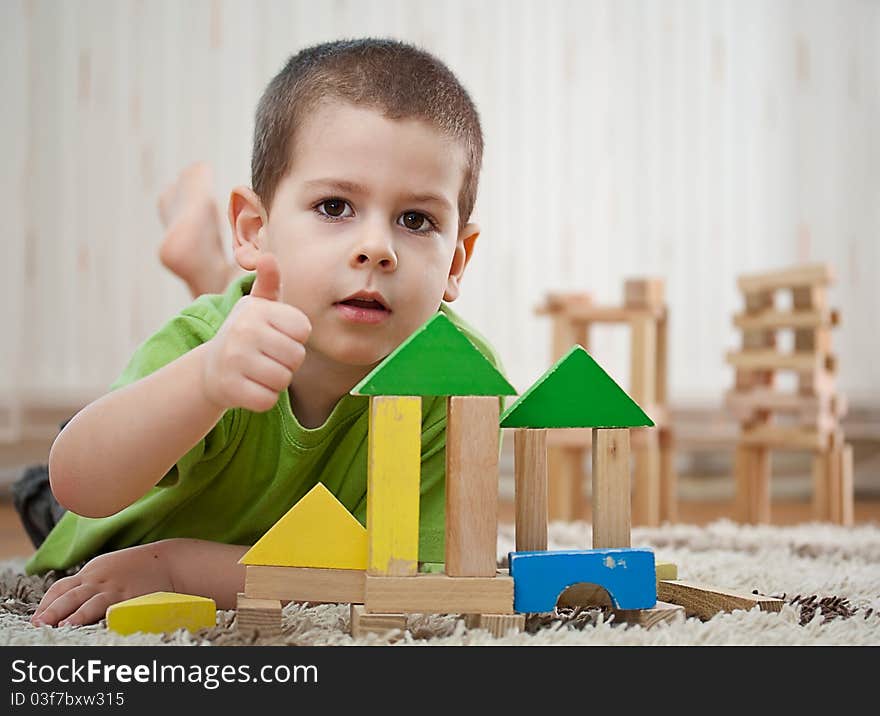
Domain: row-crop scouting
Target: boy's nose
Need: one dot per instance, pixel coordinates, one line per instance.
(375, 248)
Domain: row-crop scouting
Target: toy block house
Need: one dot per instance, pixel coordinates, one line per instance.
(575, 393)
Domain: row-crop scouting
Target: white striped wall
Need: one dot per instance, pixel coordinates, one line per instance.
(685, 139)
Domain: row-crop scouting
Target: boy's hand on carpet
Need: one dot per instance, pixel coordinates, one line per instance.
(83, 598)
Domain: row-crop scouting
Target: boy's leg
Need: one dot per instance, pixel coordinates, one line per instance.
(192, 247)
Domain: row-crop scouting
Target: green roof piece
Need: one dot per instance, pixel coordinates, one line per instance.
(437, 359)
(575, 393)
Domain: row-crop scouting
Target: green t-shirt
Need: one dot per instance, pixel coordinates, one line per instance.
(247, 472)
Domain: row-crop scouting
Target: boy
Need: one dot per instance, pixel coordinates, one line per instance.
(365, 168)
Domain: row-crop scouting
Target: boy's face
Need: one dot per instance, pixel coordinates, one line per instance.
(365, 229)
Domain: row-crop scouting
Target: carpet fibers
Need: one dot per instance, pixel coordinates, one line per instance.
(828, 576)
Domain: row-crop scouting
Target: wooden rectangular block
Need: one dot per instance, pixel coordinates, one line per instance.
(439, 594)
(393, 479)
(471, 486)
(646, 487)
(642, 292)
(498, 625)
(530, 471)
(646, 618)
(804, 275)
(612, 521)
(304, 584)
(705, 602)
(262, 615)
(363, 623)
(643, 367)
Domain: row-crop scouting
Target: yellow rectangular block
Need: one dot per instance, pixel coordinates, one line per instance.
(161, 612)
(393, 472)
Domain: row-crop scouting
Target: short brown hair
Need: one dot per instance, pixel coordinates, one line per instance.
(400, 80)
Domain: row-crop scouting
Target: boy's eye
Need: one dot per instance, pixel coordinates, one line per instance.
(414, 221)
(333, 207)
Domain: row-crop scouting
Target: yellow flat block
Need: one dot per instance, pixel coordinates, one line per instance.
(161, 612)
(393, 471)
(666, 570)
(316, 532)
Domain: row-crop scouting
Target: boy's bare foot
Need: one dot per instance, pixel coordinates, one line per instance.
(192, 246)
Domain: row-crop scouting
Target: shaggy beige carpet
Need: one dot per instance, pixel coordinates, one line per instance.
(828, 576)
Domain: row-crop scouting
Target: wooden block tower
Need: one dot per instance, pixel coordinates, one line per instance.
(645, 312)
(805, 418)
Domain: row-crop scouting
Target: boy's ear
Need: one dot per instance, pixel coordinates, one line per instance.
(249, 221)
(464, 249)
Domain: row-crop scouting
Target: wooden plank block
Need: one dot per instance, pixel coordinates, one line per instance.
(393, 472)
(643, 352)
(820, 502)
(471, 486)
(752, 471)
(661, 370)
(773, 360)
(644, 292)
(382, 625)
(316, 532)
(161, 612)
(260, 615)
(802, 318)
(783, 437)
(846, 513)
(439, 594)
(705, 602)
(646, 486)
(530, 485)
(744, 404)
(305, 584)
(586, 313)
(806, 275)
(498, 625)
(661, 612)
(540, 577)
(668, 477)
(611, 520)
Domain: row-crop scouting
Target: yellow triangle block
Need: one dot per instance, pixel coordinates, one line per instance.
(316, 532)
(161, 612)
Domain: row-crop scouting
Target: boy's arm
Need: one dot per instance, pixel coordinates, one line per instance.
(121, 445)
(184, 566)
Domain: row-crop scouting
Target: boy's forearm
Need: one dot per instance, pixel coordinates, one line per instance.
(121, 445)
(206, 569)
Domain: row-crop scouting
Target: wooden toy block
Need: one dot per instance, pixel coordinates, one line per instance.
(646, 618)
(802, 318)
(611, 489)
(644, 292)
(530, 489)
(812, 274)
(539, 578)
(668, 477)
(643, 352)
(393, 470)
(705, 602)
(645, 501)
(259, 615)
(304, 584)
(666, 570)
(439, 594)
(498, 625)
(783, 437)
(575, 393)
(471, 486)
(316, 532)
(161, 612)
(420, 366)
(752, 474)
(382, 625)
(771, 360)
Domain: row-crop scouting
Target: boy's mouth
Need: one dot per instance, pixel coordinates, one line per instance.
(364, 307)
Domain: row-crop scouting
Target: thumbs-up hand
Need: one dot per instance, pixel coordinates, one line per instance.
(259, 346)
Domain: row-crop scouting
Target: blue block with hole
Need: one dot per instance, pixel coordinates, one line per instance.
(627, 574)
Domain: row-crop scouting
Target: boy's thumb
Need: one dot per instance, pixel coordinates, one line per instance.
(268, 282)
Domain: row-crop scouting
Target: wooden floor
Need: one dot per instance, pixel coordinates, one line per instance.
(14, 541)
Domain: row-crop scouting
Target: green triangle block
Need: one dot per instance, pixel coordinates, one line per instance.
(575, 393)
(437, 359)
